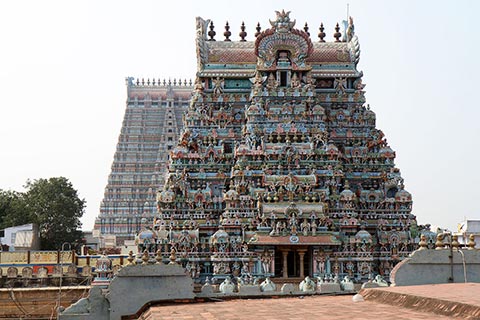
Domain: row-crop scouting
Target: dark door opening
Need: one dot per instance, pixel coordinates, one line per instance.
(278, 264)
(293, 270)
(283, 79)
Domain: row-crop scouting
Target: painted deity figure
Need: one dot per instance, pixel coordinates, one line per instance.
(321, 264)
(314, 228)
(266, 261)
(236, 269)
(350, 267)
(310, 82)
(293, 224)
(278, 228)
(257, 83)
(305, 227)
(295, 81)
(198, 86)
(217, 86)
(340, 84)
(221, 268)
(272, 83)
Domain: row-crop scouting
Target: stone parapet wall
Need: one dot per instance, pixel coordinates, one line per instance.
(430, 266)
(36, 257)
(137, 286)
(46, 268)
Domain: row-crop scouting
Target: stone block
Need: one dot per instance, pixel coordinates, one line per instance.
(328, 287)
(248, 289)
(288, 288)
(207, 289)
(368, 285)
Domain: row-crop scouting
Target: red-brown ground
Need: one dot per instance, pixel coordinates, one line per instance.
(310, 307)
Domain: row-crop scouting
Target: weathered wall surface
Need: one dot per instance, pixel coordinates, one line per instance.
(149, 283)
(436, 266)
(133, 287)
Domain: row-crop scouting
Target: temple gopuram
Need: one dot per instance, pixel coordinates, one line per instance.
(150, 128)
(280, 170)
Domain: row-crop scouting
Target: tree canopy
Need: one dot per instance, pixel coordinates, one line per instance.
(13, 211)
(53, 204)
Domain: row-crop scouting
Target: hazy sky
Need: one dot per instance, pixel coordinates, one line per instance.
(63, 65)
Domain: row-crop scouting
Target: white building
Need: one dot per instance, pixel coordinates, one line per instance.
(466, 228)
(24, 237)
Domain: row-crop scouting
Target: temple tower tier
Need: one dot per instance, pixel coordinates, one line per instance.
(280, 170)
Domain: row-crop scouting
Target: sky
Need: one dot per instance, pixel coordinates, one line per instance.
(63, 66)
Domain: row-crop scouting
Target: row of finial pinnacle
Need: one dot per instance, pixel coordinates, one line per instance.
(440, 243)
(145, 257)
(243, 34)
(158, 82)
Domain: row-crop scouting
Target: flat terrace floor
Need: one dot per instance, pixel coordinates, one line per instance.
(308, 307)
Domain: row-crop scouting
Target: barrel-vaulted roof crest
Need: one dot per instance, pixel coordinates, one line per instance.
(283, 22)
(282, 36)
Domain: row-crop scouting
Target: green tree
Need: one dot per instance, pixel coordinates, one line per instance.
(55, 206)
(13, 209)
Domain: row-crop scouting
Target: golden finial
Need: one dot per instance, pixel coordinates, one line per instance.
(439, 244)
(471, 242)
(159, 256)
(131, 259)
(145, 257)
(422, 243)
(172, 256)
(455, 243)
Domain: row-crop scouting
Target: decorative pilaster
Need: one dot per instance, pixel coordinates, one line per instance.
(301, 255)
(285, 263)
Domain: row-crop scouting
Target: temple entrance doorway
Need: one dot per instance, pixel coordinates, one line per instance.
(293, 262)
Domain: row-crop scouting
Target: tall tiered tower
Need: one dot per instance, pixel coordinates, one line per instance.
(151, 127)
(280, 170)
